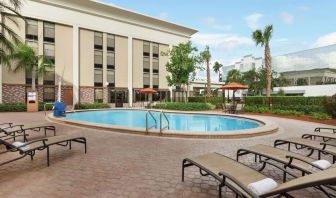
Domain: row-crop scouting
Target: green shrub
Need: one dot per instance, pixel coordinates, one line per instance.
(92, 106)
(48, 107)
(217, 101)
(255, 101)
(320, 116)
(190, 106)
(329, 104)
(16, 107)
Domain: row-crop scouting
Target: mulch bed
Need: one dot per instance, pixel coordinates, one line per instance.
(303, 118)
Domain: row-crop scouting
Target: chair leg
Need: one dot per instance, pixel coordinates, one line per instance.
(69, 144)
(183, 170)
(48, 155)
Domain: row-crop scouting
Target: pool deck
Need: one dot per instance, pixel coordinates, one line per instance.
(126, 165)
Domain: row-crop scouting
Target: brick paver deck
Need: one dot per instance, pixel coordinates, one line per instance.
(123, 165)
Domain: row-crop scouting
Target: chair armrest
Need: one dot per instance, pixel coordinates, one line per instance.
(291, 158)
(279, 167)
(318, 129)
(13, 136)
(226, 175)
(7, 123)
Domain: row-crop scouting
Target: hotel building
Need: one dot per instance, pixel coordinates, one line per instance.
(101, 52)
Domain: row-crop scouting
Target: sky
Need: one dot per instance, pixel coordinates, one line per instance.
(226, 26)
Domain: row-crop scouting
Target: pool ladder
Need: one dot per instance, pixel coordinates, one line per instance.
(162, 115)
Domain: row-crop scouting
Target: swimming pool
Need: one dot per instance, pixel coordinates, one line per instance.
(177, 121)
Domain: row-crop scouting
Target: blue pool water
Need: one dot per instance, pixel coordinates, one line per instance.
(178, 122)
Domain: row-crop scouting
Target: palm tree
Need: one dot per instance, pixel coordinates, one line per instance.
(263, 38)
(25, 58)
(8, 38)
(234, 75)
(205, 57)
(217, 66)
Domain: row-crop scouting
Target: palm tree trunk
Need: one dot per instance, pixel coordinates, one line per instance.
(268, 70)
(33, 79)
(208, 80)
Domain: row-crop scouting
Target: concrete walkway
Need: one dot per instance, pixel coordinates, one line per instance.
(123, 165)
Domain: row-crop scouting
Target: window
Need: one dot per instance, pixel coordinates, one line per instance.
(146, 63)
(156, 80)
(155, 64)
(33, 44)
(98, 95)
(98, 40)
(110, 60)
(146, 70)
(146, 79)
(110, 78)
(31, 30)
(155, 71)
(49, 78)
(98, 59)
(48, 32)
(98, 77)
(155, 50)
(49, 94)
(49, 51)
(110, 43)
(146, 48)
(29, 78)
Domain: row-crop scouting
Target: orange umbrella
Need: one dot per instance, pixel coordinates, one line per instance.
(234, 86)
(148, 91)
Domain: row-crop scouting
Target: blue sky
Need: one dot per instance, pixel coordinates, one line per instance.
(226, 26)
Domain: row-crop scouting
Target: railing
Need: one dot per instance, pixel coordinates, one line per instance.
(147, 127)
(165, 116)
(44, 107)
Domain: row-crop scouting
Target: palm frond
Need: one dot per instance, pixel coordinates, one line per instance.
(12, 6)
(268, 33)
(45, 64)
(258, 38)
(10, 32)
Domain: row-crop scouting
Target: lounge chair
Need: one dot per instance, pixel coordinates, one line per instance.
(301, 143)
(326, 136)
(5, 125)
(18, 129)
(241, 179)
(29, 148)
(319, 129)
(288, 159)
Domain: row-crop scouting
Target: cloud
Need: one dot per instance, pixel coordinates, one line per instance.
(286, 17)
(222, 41)
(163, 15)
(303, 8)
(212, 23)
(253, 20)
(324, 40)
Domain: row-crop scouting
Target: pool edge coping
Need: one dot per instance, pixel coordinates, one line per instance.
(268, 127)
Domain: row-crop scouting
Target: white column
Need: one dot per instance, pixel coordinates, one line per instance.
(130, 71)
(75, 64)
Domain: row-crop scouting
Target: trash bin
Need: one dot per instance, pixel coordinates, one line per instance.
(59, 109)
(32, 101)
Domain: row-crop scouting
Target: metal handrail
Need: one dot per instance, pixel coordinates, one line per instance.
(44, 107)
(165, 116)
(150, 113)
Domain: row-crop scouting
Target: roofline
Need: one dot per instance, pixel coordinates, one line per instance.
(147, 16)
(90, 6)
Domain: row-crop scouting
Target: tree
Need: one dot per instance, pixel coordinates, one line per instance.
(205, 57)
(25, 58)
(8, 38)
(182, 64)
(251, 78)
(234, 75)
(217, 66)
(263, 38)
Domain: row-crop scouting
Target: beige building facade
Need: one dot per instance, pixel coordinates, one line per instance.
(101, 53)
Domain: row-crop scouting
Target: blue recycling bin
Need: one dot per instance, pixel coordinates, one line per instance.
(59, 109)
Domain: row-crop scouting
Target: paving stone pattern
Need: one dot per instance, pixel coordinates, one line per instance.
(123, 165)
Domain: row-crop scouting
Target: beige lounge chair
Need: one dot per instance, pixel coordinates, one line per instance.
(238, 177)
(301, 143)
(284, 157)
(30, 148)
(22, 129)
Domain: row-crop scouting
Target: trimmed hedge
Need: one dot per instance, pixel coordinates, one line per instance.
(329, 104)
(191, 106)
(16, 107)
(92, 106)
(284, 100)
(217, 101)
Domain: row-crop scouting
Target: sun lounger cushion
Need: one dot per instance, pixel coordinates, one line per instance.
(262, 186)
(324, 164)
(18, 144)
